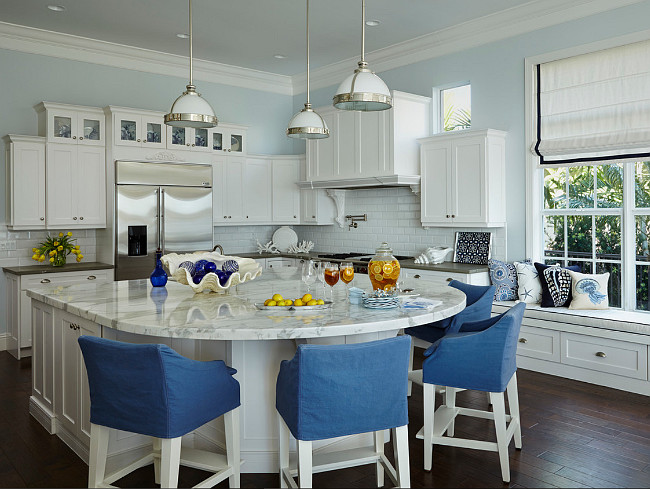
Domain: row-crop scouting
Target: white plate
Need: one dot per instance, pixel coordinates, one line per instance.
(285, 237)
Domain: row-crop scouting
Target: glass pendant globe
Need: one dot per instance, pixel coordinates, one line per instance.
(191, 110)
(307, 124)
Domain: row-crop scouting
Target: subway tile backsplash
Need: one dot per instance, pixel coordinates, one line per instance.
(26, 240)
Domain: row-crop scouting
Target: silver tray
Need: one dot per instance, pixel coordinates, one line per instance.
(320, 307)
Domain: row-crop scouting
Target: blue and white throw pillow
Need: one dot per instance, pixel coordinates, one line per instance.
(504, 278)
(529, 284)
(589, 291)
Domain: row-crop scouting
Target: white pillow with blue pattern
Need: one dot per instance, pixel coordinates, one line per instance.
(504, 278)
(589, 291)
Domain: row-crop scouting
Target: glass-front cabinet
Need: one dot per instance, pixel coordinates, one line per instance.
(222, 139)
(138, 128)
(228, 138)
(71, 124)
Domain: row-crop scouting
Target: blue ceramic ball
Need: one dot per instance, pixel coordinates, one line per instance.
(230, 266)
(187, 265)
(198, 277)
(223, 277)
(199, 266)
(210, 267)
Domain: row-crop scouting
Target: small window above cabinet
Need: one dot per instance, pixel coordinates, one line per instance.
(138, 128)
(71, 124)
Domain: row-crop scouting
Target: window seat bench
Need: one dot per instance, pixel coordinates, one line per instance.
(609, 348)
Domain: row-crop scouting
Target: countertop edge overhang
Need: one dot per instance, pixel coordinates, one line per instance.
(68, 267)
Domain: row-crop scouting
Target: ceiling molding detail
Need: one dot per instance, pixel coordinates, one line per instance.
(48, 43)
(531, 16)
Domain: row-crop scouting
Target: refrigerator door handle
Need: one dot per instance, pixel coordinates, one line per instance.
(161, 212)
(158, 237)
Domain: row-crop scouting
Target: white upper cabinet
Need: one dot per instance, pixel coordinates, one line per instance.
(224, 138)
(367, 145)
(229, 138)
(139, 128)
(71, 124)
(257, 190)
(463, 179)
(286, 194)
(25, 159)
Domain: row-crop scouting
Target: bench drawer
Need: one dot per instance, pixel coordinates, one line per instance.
(605, 355)
(539, 343)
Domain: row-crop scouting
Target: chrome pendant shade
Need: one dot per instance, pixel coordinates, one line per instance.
(363, 90)
(190, 109)
(307, 124)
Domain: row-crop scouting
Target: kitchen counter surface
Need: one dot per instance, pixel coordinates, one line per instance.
(447, 267)
(176, 312)
(68, 267)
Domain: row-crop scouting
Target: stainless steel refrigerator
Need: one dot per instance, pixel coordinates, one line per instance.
(160, 205)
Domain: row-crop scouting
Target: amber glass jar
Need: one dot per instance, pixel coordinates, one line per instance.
(383, 268)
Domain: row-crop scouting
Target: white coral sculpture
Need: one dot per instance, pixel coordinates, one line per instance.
(303, 247)
(267, 248)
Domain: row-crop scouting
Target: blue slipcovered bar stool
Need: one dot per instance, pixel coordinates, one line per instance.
(338, 390)
(481, 356)
(154, 391)
(478, 305)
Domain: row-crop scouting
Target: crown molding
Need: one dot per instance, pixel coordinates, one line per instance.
(48, 43)
(531, 16)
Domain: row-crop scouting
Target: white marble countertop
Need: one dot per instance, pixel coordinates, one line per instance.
(175, 311)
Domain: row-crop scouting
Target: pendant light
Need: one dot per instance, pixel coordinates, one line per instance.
(307, 124)
(363, 90)
(190, 110)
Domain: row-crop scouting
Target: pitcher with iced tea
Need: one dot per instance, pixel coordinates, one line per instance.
(383, 269)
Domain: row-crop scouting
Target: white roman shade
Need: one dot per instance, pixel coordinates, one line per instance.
(595, 107)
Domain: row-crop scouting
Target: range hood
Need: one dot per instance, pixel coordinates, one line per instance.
(412, 181)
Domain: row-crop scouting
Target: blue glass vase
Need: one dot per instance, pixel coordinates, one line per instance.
(158, 277)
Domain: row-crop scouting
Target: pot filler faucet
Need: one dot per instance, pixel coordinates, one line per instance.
(220, 248)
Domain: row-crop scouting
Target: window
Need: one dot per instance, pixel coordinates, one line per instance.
(456, 108)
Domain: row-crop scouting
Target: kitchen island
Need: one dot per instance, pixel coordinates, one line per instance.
(204, 327)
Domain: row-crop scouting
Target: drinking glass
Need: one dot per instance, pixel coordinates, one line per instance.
(346, 275)
(332, 277)
(309, 274)
(321, 273)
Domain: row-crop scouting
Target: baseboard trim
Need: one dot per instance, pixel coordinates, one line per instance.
(3, 341)
(44, 416)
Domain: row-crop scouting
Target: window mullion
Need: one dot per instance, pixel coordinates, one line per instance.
(628, 246)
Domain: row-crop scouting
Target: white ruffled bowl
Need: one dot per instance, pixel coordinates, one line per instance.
(249, 269)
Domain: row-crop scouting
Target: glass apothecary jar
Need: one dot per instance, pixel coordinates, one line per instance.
(383, 268)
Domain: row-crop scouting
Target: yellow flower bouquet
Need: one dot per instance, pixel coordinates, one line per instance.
(57, 249)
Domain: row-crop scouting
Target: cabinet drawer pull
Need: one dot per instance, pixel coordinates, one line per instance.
(449, 279)
(601, 354)
(416, 276)
(523, 340)
(42, 218)
(45, 281)
(91, 277)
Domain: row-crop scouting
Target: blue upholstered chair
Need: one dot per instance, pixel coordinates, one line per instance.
(154, 391)
(478, 305)
(338, 390)
(481, 356)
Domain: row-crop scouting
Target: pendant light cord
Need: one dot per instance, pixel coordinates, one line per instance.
(363, 31)
(308, 103)
(191, 77)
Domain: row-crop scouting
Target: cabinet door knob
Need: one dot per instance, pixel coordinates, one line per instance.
(453, 216)
(91, 277)
(81, 138)
(601, 354)
(229, 151)
(188, 144)
(42, 218)
(71, 326)
(246, 217)
(81, 218)
(193, 145)
(523, 340)
(74, 137)
(45, 281)
(74, 218)
(416, 276)
(313, 217)
(449, 279)
(144, 141)
(225, 217)
(447, 216)
(139, 140)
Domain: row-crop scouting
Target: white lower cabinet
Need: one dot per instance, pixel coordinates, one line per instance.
(72, 404)
(43, 365)
(442, 278)
(280, 262)
(19, 305)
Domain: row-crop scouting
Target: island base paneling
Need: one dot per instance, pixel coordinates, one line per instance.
(61, 402)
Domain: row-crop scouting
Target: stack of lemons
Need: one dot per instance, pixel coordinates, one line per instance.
(305, 300)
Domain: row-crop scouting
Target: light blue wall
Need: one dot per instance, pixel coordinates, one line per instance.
(496, 72)
(26, 79)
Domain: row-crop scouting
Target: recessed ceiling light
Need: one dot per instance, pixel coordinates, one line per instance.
(183, 36)
(373, 23)
(56, 8)
(280, 56)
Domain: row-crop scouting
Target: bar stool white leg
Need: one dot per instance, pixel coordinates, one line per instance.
(231, 424)
(379, 448)
(429, 409)
(283, 436)
(400, 439)
(156, 460)
(98, 454)
(170, 458)
(304, 463)
(513, 403)
(450, 402)
(499, 410)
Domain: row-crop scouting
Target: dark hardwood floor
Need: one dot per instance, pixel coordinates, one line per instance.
(574, 435)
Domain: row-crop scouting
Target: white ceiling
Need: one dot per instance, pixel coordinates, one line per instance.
(247, 33)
